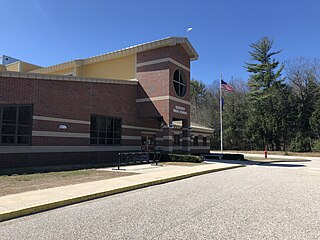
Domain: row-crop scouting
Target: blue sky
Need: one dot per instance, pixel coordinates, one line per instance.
(47, 32)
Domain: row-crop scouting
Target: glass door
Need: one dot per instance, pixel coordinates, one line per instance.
(147, 143)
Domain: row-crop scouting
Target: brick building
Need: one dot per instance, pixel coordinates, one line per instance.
(88, 110)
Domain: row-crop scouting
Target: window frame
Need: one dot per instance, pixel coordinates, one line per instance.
(195, 140)
(16, 135)
(176, 143)
(205, 141)
(183, 83)
(106, 138)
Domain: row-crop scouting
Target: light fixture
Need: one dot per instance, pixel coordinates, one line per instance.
(63, 127)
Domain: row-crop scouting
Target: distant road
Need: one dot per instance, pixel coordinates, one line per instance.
(278, 156)
(273, 201)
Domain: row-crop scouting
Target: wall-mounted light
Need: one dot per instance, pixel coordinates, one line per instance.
(63, 127)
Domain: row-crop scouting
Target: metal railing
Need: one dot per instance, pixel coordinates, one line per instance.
(131, 158)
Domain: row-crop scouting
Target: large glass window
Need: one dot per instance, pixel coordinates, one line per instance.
(195, 140)
(176, 139)
(105, 130)
(15, 124)
(204, 141)
(179, 83)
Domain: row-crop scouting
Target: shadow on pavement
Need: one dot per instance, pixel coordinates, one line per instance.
(247, 162)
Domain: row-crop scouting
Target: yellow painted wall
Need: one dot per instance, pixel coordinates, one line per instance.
(13, 67)
(120, 68)
(2, 68)
(62, 72)
(27, 67)
(20, 66)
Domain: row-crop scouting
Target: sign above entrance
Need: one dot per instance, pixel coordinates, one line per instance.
(180, 110)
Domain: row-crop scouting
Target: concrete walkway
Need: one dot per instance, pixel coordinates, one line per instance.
(21, 204)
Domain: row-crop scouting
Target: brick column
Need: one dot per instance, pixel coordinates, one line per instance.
(185, 137)
(167, 139)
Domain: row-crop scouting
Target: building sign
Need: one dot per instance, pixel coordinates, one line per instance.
(180, 110)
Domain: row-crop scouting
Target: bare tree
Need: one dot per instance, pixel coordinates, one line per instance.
(303, 75)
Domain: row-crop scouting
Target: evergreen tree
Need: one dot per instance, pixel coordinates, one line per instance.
(265, 83)
(235, 116)
(201, 103)
(315, 121)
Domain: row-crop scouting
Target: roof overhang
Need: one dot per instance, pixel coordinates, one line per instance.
(170, 41)
(2, 68)
(193, 127)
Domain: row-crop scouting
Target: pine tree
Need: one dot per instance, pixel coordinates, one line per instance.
(264, 83)
(235, 116)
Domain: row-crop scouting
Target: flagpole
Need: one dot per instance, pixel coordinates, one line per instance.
(221, 137)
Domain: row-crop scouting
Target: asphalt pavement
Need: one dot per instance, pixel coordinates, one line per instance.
(273, 201)
(31, 202)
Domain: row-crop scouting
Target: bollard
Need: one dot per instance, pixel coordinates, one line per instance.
(265, 153)
(119, 159)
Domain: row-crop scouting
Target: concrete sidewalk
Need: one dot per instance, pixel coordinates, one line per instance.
(21, 204)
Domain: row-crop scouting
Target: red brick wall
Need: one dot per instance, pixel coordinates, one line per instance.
(154, 54)
(156, 80)
(45, 159)
(176, 52)
(153, 80)
(78, 100)
(180, 55)
(39, 125)
(59, 141)
(72, 100)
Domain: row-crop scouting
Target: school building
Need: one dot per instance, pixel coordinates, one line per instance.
(89, 110)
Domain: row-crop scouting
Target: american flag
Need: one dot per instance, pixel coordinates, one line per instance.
(226, 86)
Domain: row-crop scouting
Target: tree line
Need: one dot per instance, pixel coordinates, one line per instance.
(277, 108)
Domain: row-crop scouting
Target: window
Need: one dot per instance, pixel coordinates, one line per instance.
(176, 139)
(204, 141)
(195, 140)
(105, 130)
(15, 124)
(179, 83)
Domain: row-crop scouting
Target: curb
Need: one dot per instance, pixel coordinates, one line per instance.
(45, 207)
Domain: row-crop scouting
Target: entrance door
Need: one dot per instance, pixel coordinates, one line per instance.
(147, 143)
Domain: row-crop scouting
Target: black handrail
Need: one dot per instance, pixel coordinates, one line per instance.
(130, 158)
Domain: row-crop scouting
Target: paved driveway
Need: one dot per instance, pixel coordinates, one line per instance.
(281, 156)
(274, 201)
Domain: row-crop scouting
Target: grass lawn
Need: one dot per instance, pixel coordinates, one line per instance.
(10, 184)
(35, 178)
